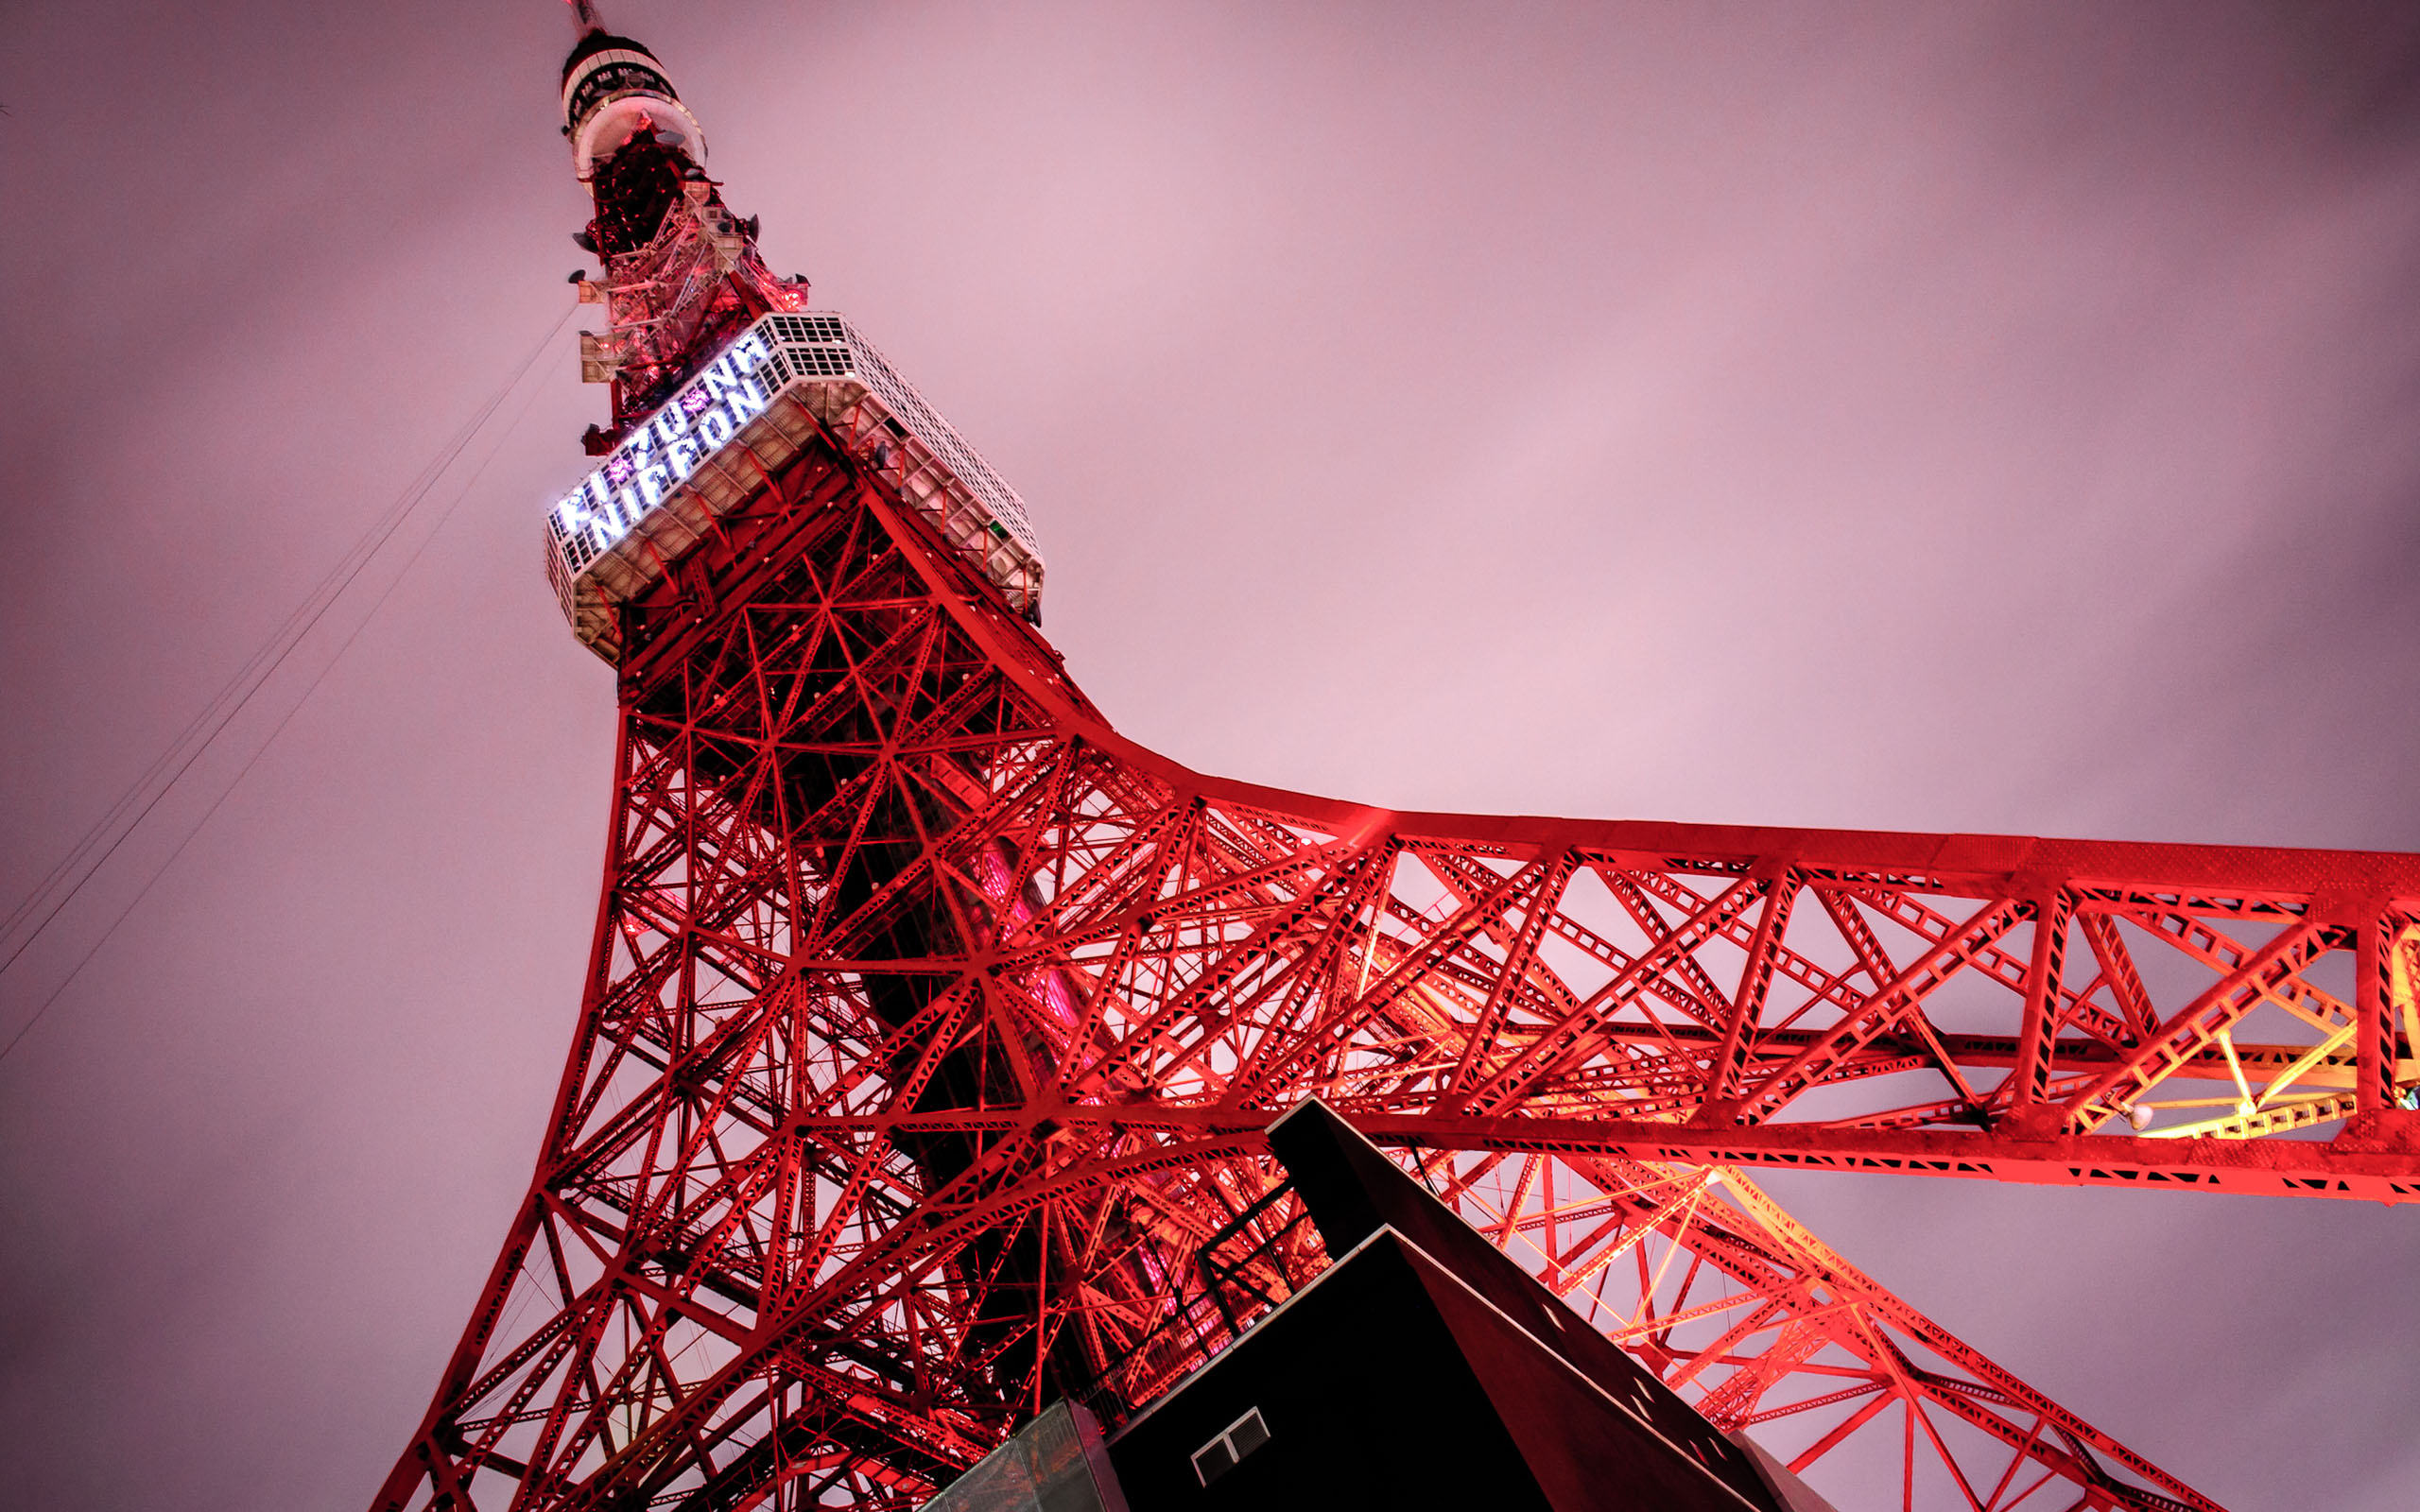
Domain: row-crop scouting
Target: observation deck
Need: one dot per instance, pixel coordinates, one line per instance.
(784, 383)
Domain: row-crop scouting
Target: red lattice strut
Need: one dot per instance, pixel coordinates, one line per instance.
(932, 1028)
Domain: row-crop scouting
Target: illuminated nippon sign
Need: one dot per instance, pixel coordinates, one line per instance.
(664, 451)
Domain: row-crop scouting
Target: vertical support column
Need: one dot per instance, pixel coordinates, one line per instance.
(2374, 1010)
(2043, 972)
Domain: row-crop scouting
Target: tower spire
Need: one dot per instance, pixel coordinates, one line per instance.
(610, 85)
(681, 274)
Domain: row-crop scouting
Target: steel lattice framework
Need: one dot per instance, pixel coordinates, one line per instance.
(931, 1028)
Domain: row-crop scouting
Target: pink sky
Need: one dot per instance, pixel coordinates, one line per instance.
(1976, 418)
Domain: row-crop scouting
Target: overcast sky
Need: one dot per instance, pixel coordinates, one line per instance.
(1971, 417)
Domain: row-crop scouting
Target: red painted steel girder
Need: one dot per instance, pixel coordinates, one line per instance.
(931, 1030)
(932, 1027)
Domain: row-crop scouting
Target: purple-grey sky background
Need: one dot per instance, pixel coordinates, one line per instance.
(1983, 417)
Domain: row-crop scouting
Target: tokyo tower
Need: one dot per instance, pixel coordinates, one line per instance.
(933, 1030)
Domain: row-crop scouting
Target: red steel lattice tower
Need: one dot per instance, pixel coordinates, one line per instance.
(931, 1027)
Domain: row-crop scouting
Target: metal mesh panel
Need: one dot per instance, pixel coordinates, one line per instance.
(829, 346)
(910, 405)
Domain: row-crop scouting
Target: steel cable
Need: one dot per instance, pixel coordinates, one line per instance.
(202, 731)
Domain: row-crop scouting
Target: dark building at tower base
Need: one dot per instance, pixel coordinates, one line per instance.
(1422, 1369)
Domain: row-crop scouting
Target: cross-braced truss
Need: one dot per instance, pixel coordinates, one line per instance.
(932, 1030)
